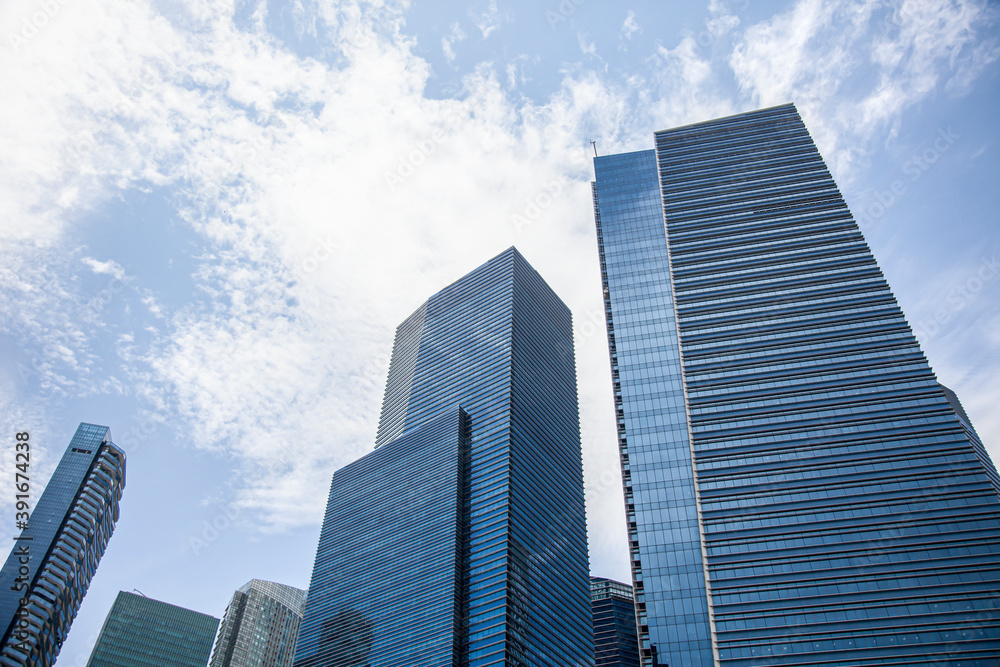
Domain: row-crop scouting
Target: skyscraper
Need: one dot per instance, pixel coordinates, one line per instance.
(260, 626)
(143, 632)
(798, 489)
(461, 539)
(616, 642)
(973, 436)
(50, 567)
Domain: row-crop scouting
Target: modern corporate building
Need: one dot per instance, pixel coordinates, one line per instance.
(799, 491)
(616, 642)
(143, 632)
(973, 436)
(53, 560)
(260, 626)
(461, 540)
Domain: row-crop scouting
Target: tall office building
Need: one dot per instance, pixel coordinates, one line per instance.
(43, 582)
(461, 538)
(260, 626)
(143, 632)
(799, 491)
(973, 437)
(616, 641)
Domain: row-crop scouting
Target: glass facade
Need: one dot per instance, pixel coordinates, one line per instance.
(663, 528)
(385, 588)
(143, 632)
(260, 626)
(44, 579)
(778, 421)
(970, 433)
(616, 643)
(462, 538)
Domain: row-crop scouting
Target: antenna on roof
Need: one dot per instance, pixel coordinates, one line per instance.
(594, 144)
(139, 592)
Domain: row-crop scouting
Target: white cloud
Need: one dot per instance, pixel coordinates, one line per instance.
(109, 267)
(519, 70)
(810, 53)
(973, 325)
(455, 35)
(777, 58)
(49, 319)
(720, 21)
(682, 87)
(313, 258)
(333, 199)
(629, 26)
(487, 20)
(920, 44)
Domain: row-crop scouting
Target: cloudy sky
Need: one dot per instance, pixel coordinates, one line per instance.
(213, 215)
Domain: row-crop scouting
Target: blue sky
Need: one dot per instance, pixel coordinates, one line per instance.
(214, 214)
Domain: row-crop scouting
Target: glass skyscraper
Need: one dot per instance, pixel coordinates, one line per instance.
(799, 489)
(616, 641)
(260, 626)
(973, 436)
(143, 632)
(461, 540)
(43, 582)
